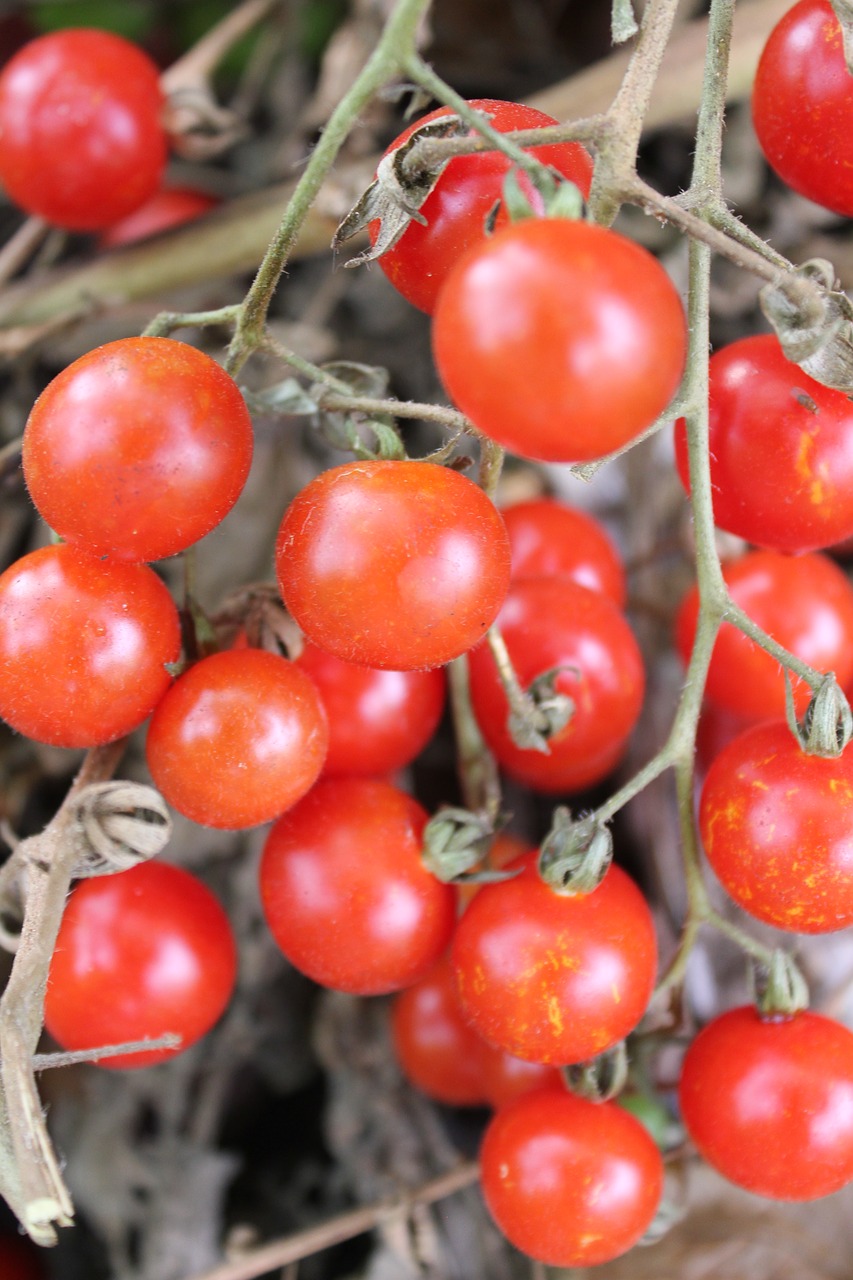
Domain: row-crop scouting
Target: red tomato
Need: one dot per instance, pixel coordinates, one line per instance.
(81, 142)
(549, 539)
(468, 189)
(170, 207)
(504, 849)
(803, 602)
(84, 645)
(239, 738)
(436, 1049)
(774, 430)
(345, 893)
(399, 565)
(560, 340)
(505, 1077)
(569, 1182)
(378, 720)
(139, 954)
(553, 622)
(554, 977)
(777, 825)
(138, 449)
(802, 106)
(770, 1103)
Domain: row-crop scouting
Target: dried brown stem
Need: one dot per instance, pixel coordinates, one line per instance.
(280, 1253)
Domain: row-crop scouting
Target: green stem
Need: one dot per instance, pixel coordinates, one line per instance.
(387, 60)
(168, 321)
(478, 771)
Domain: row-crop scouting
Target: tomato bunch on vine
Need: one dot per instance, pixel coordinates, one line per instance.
(419, 598)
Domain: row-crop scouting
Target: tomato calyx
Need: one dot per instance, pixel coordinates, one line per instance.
(549, 195)
(600, 1078)
(543, 713)
(827, 726)
(780, 988)
(576, 854)
(843, 10)
(398, 191)
(815, 329)
(454, 841)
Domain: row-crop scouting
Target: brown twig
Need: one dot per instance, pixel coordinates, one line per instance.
(347, 1225)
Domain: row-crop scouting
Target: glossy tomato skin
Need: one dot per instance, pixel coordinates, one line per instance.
(83, 646)
(137, 449)
(506, 1077)
(139, 954)
(345, 893)
(777, 826)
(781, 449)
(378, 720)
(554, 977)
(570, 1182)
(550, 539)
(239, 738)
(398, 565)
(167, 208)
(81, 143)
(804, 602)
(770, 1103)
(560, 340)
(468, 189)
(802, 106)
(436, 1049)
(548, 623)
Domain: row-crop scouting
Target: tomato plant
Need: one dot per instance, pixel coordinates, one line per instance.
(139, 954)
(770, 1103)
(555, 977)
(81, 142)
(803, 602)
(378, 720)
(436, 1049)
(553, 624)
(550, 539)
(84, 645)
(170, 207)
(802, 105)
(345, 893)
(138, 448)
(456, 210)
(569, 1182)
(775, 431)
(401, 565)
(239, 738)
(777, 826)
(551, 381)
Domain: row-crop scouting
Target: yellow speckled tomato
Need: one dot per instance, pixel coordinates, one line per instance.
(555, 977)
(777, 825)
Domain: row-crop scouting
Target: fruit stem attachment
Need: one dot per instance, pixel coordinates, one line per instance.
(601, 1078)
(575, 854)
(780, 988)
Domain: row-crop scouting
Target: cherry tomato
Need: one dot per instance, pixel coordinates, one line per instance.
(457, 208)
(170, 207)
(138, 448)
(345, 893)
(239, 738)
(770, 1103)
(378, 720)
(802, 105)
(81, 141)
(503, 850)
(777, 825)
(550, 623)
(803, 602)
(560, 340)
(550, 539)
(555, 977)
(139, 954)
(84, 645)
(569, 1182)
(774, 430)
(505, 1077)
(399, 565)
(436, 1049)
